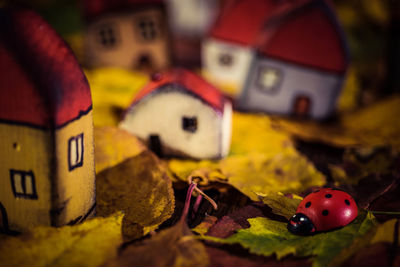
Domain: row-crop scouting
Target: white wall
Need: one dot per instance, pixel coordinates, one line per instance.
(161, 114)
(321, 87)
(191, 18)
(231, 75)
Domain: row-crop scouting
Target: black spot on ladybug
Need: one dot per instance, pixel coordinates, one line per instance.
(316, 191)
(347, 202)
(325, 212)
(308, 204)
(328, 195)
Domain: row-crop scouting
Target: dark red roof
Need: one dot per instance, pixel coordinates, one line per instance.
(305, 32)
(190, 82)
(309, 37)
(41, 82)
(94, 8)
(241, 21)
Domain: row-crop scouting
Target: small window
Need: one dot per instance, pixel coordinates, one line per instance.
(269, 79)
(23, 184)
(189, 124)
(75, 152)
(107, 35)
(225, 60)
(147, 29)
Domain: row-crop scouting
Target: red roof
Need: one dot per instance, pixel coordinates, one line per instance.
(94, 8)
(41, 82)
(241, 21)
(187, 80)
(304, 32)
(309, 37)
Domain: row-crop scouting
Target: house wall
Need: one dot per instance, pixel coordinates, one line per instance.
(27, 149)
(129, 46)
(192, 18)
(161, 114)
(75, 187)
(232, 76)
(321, 87)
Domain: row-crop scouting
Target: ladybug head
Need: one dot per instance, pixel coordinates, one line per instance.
(300, 224)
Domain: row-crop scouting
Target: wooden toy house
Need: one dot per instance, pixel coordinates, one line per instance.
(178, 113)
(289, 57)
(132, 34)
(46, 134)
(300, 66)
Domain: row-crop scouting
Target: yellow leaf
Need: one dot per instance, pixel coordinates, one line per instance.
(114, 145)
(88, 244)
(376, 125)
(113, 89)
(261, 159)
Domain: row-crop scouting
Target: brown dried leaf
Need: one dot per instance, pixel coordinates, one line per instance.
(175, 246)
(140, 187)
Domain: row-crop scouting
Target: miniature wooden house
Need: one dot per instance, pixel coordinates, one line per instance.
(300, 65)
(132, 34)
(178, 113)
(286, 57)
(46, 134)
(228, 51)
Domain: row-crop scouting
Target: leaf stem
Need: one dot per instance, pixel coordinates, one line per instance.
(192, 187)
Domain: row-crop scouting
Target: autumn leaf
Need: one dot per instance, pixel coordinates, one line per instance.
(88, 244)
(375, 125)
(114, 145)
(141, 188)
(268, 237)
(112, 91)
(261, 160)
(175, 246)
(281, 205)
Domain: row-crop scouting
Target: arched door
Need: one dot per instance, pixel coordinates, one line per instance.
(3, 219)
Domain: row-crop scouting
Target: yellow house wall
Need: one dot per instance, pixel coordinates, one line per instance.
(129, 45)
(75, 189)
(25, 148)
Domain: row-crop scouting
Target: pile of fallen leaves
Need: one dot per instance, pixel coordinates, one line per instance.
(147, 214)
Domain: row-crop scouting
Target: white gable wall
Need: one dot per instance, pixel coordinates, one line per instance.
(191, 18)
(161, 114)
(322, 88)
(234, 74)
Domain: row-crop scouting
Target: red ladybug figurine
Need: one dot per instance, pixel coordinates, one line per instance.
(323, 210)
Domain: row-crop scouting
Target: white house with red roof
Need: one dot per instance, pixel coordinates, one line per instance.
(46, 127)
(296, 60)
(178, 113)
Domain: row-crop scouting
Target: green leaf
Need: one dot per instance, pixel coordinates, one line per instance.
(281, 204)
(267, 237)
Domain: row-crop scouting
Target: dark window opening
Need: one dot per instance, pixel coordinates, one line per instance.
(189, 124)
(302, 106)
(107, 35)
(23, 184)
(225, 60)
(144, 63)
(147, 29)
(155, 145)
(75, 152)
